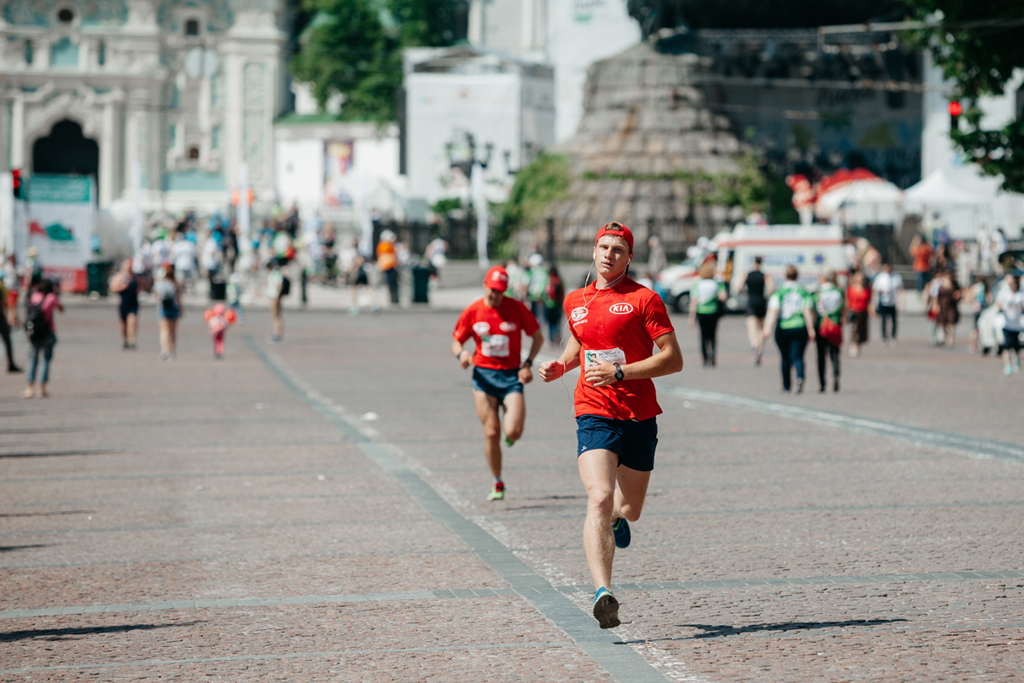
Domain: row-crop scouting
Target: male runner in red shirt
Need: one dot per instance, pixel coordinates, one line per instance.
(615, 323)
(496, 324)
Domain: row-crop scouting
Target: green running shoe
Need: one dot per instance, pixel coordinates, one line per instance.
(620, 527)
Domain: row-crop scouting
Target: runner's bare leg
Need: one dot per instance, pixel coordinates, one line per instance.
(515, 415)
(630, 493)
(597, 472)
(487, 411)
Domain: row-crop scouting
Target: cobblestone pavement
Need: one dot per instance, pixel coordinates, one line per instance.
(316, 510)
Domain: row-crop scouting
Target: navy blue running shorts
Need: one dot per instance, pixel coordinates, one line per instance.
(633, 441)
(497, 383)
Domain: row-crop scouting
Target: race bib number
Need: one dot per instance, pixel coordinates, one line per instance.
(494, 346)
(607, 356)
(792, 305)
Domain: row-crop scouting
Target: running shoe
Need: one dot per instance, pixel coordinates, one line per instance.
(509, 442)
(498, 492)
(1008, 370)
(799, 386)
(606, 608)
(620, 527)
(757, 356)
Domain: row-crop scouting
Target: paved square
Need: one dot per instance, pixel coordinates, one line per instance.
(240, 519)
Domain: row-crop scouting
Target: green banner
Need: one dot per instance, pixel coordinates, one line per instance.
(52, 187)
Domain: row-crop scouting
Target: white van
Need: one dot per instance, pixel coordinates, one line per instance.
(813, 249)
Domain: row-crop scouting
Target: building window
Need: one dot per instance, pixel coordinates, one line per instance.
(65, 16)
(29, 52)
(192, 27)
(172, 137)
(101, 53)
(215, 138)
(64, 53)
(193, 153)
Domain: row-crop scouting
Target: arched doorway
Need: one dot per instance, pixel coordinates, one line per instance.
(66, 150)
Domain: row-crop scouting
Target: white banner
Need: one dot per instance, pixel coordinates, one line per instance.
(62, 221)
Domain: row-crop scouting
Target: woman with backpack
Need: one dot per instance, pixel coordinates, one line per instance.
(41, 333)
(169, 309)
(706, 307)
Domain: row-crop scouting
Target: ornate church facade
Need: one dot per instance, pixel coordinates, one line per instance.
(180, 92)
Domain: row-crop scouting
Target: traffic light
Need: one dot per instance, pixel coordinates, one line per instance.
(16, 182)
(954, 115)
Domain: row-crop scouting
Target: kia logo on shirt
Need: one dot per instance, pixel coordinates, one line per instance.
(621, 309)
(481, 327)
(507, 327)
(579, 314)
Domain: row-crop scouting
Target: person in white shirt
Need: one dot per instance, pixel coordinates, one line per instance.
(1011, 303)
(887, 289)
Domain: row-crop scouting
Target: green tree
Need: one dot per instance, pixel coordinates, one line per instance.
(354, 47)
(978, 44)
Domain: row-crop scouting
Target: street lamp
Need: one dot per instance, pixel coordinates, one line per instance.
(465, 162)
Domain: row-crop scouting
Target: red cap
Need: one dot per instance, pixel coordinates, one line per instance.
(617, 229)
(496, 279)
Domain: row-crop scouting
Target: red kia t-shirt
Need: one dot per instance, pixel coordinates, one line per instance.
(617, 326)
(497, 332)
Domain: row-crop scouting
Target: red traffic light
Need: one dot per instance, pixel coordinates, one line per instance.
(955, 109)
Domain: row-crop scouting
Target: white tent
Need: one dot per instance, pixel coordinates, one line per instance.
(862, 202)
(938, 189)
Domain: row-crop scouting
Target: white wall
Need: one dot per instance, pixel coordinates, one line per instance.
(581, 32)
(300, 172)
(441, 106)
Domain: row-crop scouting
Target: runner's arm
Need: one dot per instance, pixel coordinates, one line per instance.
(570, 360)
(769, 321)
(809, 318)
(458, 350)
(525, 374)
(667, 360)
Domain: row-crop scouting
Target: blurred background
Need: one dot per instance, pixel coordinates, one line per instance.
(504, 127)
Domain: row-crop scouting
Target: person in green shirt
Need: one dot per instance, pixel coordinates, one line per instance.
(830, 303)
(793, 309)
(706, 299)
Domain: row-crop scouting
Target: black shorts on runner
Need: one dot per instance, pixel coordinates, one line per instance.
(632, 440)
(1011, 340)
(497, 383)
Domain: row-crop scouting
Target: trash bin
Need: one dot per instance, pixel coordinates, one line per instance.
(98, 276)
(218, 290)
(420, 285)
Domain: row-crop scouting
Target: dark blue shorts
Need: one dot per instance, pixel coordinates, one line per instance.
(633, 441)
(497, 383)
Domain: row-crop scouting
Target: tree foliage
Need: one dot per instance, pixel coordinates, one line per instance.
(354, 47)
(542, 182)
(978, 44)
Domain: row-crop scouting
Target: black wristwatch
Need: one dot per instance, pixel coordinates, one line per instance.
(528, 363)
(618, 373)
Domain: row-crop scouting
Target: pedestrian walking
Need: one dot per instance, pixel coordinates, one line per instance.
(1011, 303)
(657, 261)
(5, 328)
(168, 290)
(887, 290)
(858, 299)
(496, 324)
(922, 254)
(278, 287)
(979, 295)
(615, 322)
(41, 331)
(829, 308)
(947, 300)
(126, 285)
(554, 298)
(218, 319)
(536, 285)
(709, 295)
(387, 262)
(791, 307)
(758, 286)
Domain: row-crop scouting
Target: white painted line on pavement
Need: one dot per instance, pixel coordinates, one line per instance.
(974, 447)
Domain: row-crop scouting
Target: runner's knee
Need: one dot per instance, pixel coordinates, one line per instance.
(601, 503)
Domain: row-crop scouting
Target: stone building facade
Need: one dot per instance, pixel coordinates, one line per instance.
(185, 89)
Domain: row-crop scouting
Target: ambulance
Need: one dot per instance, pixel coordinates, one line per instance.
(813, 249)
